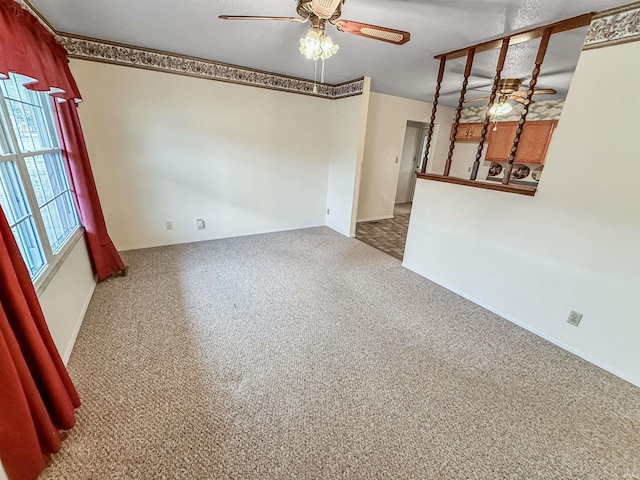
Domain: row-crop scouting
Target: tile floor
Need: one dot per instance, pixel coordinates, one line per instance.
(389, 235)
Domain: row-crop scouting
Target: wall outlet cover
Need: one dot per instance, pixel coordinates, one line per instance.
(200, 224)
(169, 225)
(574, 318)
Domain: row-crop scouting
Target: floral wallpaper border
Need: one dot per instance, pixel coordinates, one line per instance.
(120, 54)
(615, 26)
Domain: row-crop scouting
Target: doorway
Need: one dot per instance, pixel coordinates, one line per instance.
(415, 140)
(390, 235)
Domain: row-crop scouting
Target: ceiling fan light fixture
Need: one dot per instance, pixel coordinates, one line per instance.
(328, 47)
(499, 109)
(315, 44)
(310, 44)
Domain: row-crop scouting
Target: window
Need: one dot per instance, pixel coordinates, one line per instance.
(34, 191)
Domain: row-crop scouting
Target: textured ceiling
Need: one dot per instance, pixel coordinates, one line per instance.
(191, 27)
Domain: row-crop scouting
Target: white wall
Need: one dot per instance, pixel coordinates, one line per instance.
(346, 146)
(386, 125)
(65, 299)
(464, 156)
(574, 246)
(173, 148)
(407, 165)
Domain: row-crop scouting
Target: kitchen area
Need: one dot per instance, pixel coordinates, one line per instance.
(532, 151)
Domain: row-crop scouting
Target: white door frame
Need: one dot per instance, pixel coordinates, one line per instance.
(419, 155)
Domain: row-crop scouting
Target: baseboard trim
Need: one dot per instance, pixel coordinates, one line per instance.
(208, 239)
(67, 353)
(594, 361)
(374, 219)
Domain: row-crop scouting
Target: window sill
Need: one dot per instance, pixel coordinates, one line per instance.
(520, 190)
(43, 280)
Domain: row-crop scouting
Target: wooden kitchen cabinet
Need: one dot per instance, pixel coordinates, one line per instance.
(534, 141)
(475, 132)
(462, 133)
(500, 141)
(468, 132)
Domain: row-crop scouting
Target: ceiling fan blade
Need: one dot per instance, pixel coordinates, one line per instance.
(545, 91)
(519, 99)
(474, 100)
(244, 17)
(397, 37)
(541, 91)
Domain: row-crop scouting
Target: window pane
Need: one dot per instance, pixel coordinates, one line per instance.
(12, 196)
(11, 88)
(28, 111)
(30, 126)
(60, 220)
(27, 239)
(47, 176)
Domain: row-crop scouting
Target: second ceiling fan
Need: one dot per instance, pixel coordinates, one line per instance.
(509, 89)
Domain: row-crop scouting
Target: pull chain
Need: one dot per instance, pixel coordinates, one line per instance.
(315, 76)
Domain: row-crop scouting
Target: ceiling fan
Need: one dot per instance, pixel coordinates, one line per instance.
(509, 89)
(316, 44)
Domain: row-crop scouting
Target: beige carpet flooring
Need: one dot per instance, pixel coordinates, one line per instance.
(307, 355)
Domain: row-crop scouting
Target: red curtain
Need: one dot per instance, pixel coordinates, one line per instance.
(28, 48)
(106, 259)
(37, 397)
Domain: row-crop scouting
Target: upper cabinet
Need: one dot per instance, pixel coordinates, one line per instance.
(468, 132)
(534, 141)
(475, 131)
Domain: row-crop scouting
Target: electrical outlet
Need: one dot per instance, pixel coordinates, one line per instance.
(328, 211)
(574, 318)
(169, 225)
(200, 224)
(396, 159)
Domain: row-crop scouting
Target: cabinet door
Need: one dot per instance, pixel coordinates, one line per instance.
(501, 141)
(535, 140)
(463, 132)
(475, 131)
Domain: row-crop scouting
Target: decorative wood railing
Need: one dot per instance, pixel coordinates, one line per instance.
(544, 33)
(492, 98)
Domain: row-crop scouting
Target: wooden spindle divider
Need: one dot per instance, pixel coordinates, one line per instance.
(434, 110)
(542, 51)
(463, 92)
(492, 98)
(543, 32)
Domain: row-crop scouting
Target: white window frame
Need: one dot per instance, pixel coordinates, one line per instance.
(10, 143)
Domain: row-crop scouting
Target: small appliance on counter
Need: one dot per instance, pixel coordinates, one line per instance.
(521, 174)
